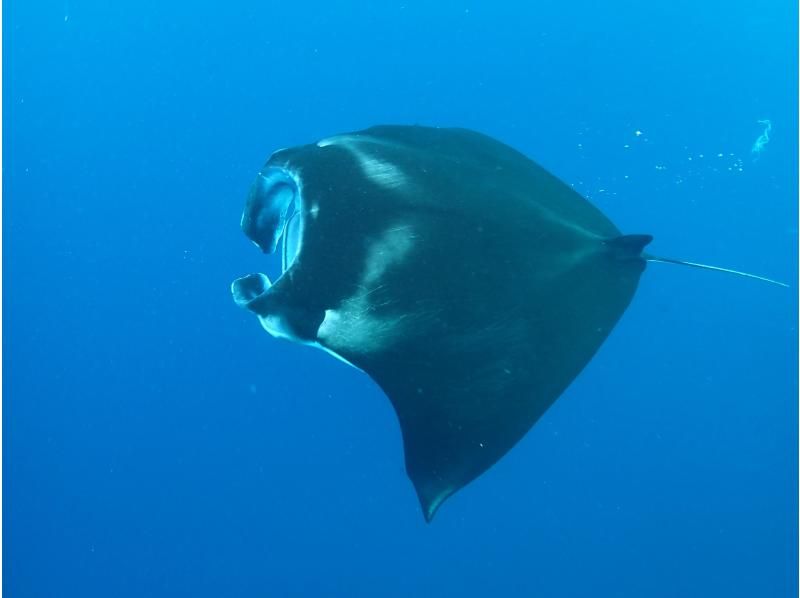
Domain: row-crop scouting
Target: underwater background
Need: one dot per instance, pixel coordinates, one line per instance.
(157, 442)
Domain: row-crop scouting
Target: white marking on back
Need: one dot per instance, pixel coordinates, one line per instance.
(355, 324)
(385, 174)
(380, 172)
(391, 248)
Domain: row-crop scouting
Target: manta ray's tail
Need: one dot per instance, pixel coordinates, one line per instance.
(629, 247)
(668, 260)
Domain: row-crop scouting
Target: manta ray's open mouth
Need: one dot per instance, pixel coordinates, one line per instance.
(272, 217)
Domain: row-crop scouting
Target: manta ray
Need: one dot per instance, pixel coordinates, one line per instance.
(467, 281)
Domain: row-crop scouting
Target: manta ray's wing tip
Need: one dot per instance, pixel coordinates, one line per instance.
(430, 500)
(429, 508)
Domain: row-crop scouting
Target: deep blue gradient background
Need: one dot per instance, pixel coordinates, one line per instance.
(158, 443)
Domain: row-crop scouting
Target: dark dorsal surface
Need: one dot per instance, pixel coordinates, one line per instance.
(471, 284)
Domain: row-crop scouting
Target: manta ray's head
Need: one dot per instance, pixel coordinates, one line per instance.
(273, 221)
(272, 214)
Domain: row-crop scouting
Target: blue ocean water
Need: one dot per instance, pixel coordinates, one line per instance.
(158, 443)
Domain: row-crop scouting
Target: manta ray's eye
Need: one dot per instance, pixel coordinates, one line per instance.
(272, 201)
